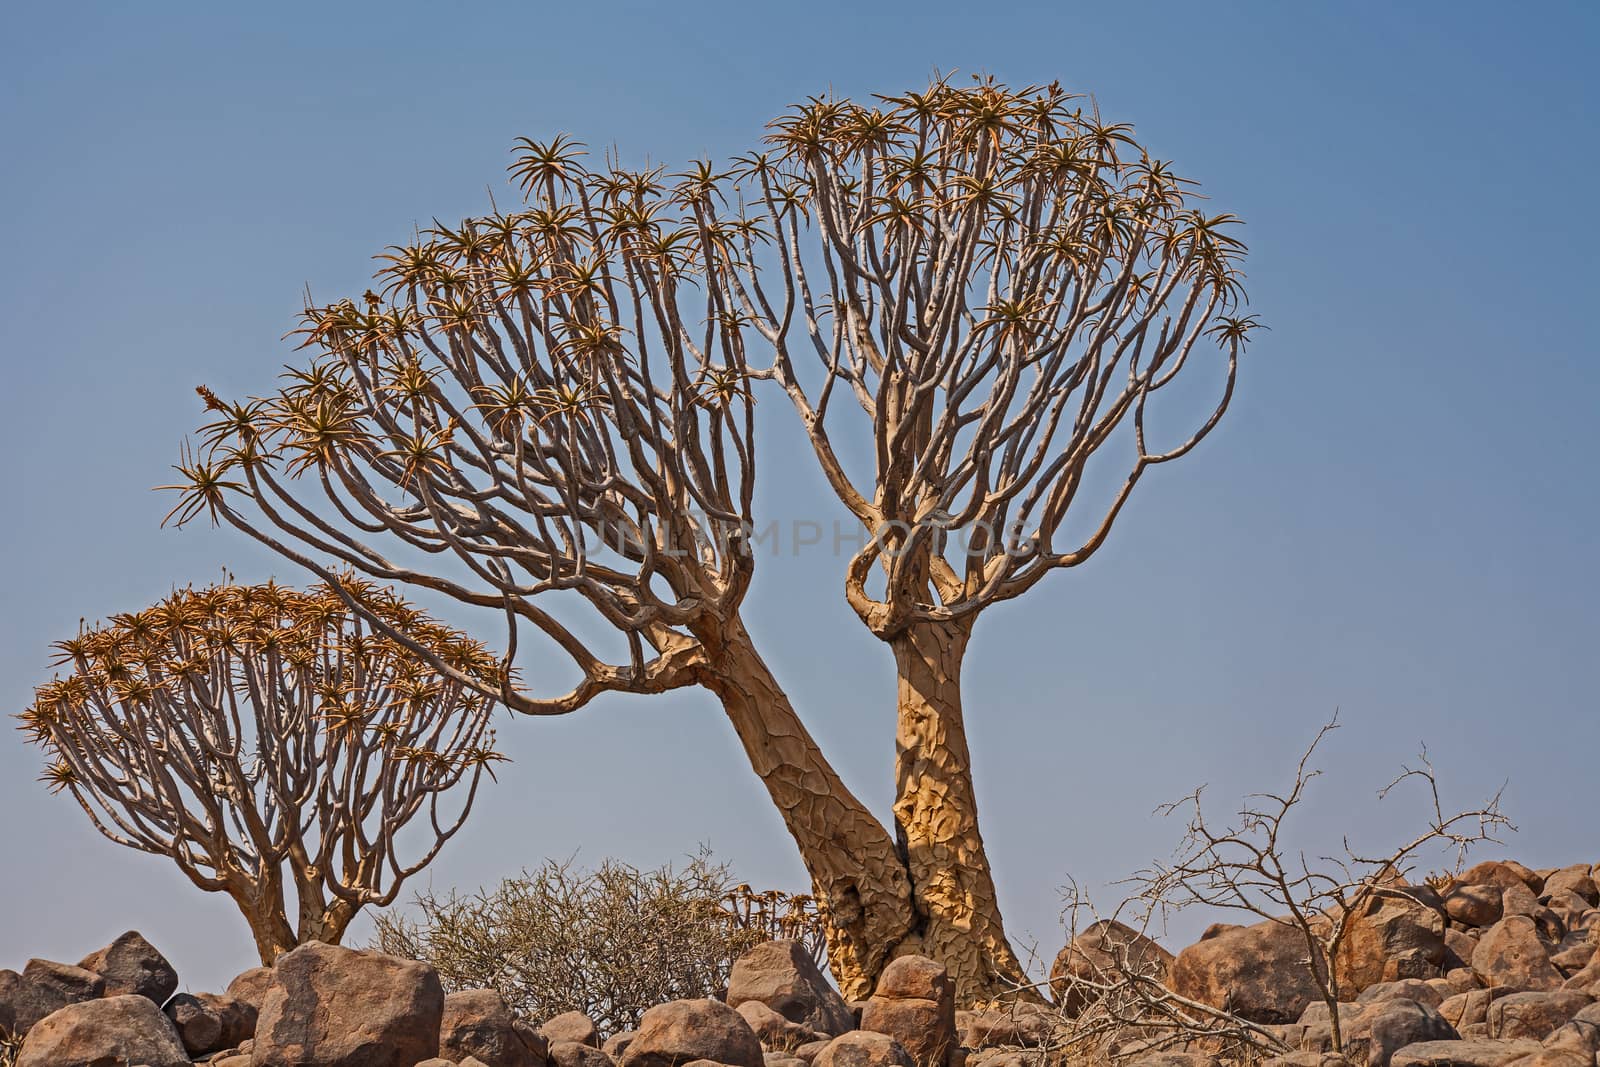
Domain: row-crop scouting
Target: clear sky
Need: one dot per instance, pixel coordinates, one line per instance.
(1398, 518)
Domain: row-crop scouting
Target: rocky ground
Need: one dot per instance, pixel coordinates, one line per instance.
(1494, 967)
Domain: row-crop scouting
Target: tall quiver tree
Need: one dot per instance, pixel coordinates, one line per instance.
(269, 740)
(547, 414)
(995, 286)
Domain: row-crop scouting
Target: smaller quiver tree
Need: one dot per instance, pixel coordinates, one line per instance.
(265, 739)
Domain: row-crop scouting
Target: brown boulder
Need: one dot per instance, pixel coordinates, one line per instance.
(127, 1029)
(251, 986)
(1575, 880)
(1465, 1053)
(478, 1022)
(1384, 1027)
(1511, 956)
(41, 989)
(338, 1007)
(1020, 1026)
(1503, 873)
(1534, 1015)
(131, 965)
(915, 1003)
(618, 1043)
(782, 975)
(209, 1023)
(1395, 936)
(774, 1031)
(1474, 905)
(678, 1031)
(571, 1026)
(576, 1054)
(1103, 950)
(863, 1048)
(1258, 972)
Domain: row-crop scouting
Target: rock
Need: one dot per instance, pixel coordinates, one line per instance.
(1573, 957)
(478, 1022)
(126, 1029)
(1586, 980)
(1518, 900)
(251, 986)
(1463, 1053)
(1576, 880)
(131, 965)
(1511, 956)
(1534, 1015)
(618, 1043)
(1556, 1058)
(809, 1052)
(1502, 873)
(42, 989)
(1458, 949)
(571, 1026)
(915, 1003)
(1467, 1009)
(774, 1031)
(782, 975)
(1423, 992)
(1386, 1026)
(1100, 951)
(673, 1033)
(198, 1027)
(1174, 1059)
(337, 1007)
(863, 1048)
(1257, 971)
(1394, 936)
(782, 1059)
(576, 1054)
(1474, 905)
(437, 1062)
(1021, 1026)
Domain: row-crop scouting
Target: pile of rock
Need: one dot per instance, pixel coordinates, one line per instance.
(1495, 967)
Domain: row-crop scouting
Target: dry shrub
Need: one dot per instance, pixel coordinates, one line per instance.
(609, 942)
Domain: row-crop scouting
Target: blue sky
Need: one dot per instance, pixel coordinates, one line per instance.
(1396, 520)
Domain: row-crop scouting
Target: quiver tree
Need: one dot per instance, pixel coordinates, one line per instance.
(999, 291)
(269, 740)
(546, 414)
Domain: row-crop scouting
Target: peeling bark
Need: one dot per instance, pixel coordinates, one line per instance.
(855, 868)
(936, 821)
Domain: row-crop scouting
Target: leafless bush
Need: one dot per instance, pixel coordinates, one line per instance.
(1249, 866)
(778, 916)
(609, 942)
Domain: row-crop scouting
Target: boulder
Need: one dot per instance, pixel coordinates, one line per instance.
(478, 1022)
(1018, 1026)
(774, 1031)
(915, 1003)
(618, 1043)
(1394, 936)
(329, 1006)
(782, 1059)
(251, 986)
(1258, 972)
(131, 965)
(811, 1051)
(577, 1054)
(678, 1031)
(863, 1048)
(1383, 1027)
(1534, 1015)
(782, 975)
(1474, 905)
(1511, 956)
(1174, 1059)
(1502, 873)
(197, 1025)
(571, 1026)
(1417, 989)
(1464, 1053)
(1578, 881)
(1467, 1009)
(41, 989)
(126, 1029)
(1102, 950)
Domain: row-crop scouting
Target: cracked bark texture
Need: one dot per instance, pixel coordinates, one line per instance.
(855, 868)
(936, 821)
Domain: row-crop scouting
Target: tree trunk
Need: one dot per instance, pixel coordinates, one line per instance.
(856, 872)
(268, 925)
(936, 821)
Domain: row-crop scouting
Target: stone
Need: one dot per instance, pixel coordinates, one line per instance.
(198, 1026)
(42, 989)
(1502, 873)
(1578, 881)
(863, 1048)
(1417, 989)
(1102, 950)
(1475, 905)
(478, 1022)
(1464, 1053)
(1458, 949)
(571, 1026)
(618, 1043)
(1019, 1026)
(1511, 956)
(782, 1059)
(809, 1052)
(1467, 1009)
(1573, 957)
(774, 1031)
(914, 1002)
(329, 1006)
(131, 965)
(576, 1054)
(673, 1033)
(782, 975)
(127, 1029)
(1534, 1015)
(251, 986)
(1258, 972)
(1384, 1027)
(1394, 936)
(1174, 1059)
